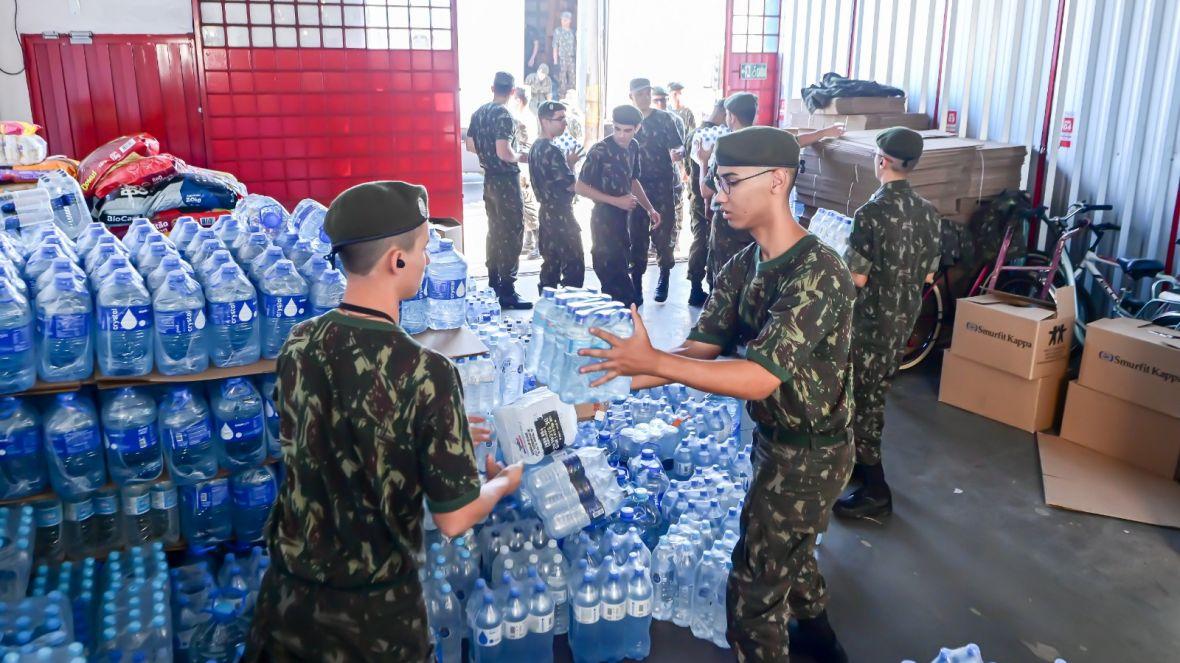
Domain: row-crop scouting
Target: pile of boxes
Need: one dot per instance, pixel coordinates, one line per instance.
(856, 113)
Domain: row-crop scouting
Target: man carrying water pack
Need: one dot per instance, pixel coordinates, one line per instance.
(370, 423)
(784, 304)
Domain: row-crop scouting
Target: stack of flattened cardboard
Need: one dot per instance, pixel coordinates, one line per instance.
(856, 113)
(952, 174)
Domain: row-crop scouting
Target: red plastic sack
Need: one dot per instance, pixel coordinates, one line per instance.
(146, 172)
(100, 162)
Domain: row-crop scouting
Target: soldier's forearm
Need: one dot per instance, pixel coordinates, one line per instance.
(690, 349)
(638, 192)
(736, 378)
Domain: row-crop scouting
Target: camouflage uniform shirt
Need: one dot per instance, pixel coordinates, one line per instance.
(551, 174)
(895, 240)
(492, 122)
(793, 314)
(610, 168)
(659, 132)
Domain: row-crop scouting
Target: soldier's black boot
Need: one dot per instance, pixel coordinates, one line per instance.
(697, 296)
(637, 283)
(856, 480)
(872, 499)
(816, 638)
(662, 286)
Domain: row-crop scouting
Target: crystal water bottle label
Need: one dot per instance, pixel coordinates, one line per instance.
(17, 339)
(613, 612)
(421, 294)
(684, 468)
(212, 494)
(638, 608)
(78, 511)
(106, 505)
(19, 443)
(64, 326)
(238, 429)
(172, 323)
(516, 630)
(137, 505)
(131, 439)
(488, 637)
(446, 288)
(587, 614)
(47, 517)
(549, 432)
(75, 441)
(254, 496)
(284, 306)
(543, 623)
(162, 500)
(232, 313)
(195, 433)
(124, 318)
(558, 595)
(581, 483)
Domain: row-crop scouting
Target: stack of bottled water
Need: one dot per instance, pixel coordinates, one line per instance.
(572, 489)
(78, 583)
(211, 612)
(39, 628)
(832, 228)
(133, 617)
(16, 551)
(561, 328)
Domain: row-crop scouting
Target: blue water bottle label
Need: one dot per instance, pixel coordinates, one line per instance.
(76, 512)
(421, 294)
(163, 500)
(171, 323)
(212, 494)
(19, 443)
(75, 441)
(232, 313)
(106, 504)
(193, 434)
(247, 497)
(284, 306)
(48, 516)
(240, 429)
(64, 326)
(16, 339)
(124, 318)
(446, 288)
(131, 439)
(137, 505)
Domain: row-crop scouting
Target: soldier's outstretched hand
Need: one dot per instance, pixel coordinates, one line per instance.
(656, 219)
(479, 434)
(510, 474)
(625, 357)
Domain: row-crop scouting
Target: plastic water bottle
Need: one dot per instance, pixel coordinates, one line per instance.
(516, 626)
(239, 425)
(488, 630)
(209, 268)
(263, 262)
(542, 622)
(74, 446)
(587, 636)
(186, 432)
(169, 265)
(446, 279)
(64, 331)
(165, 512)
(308, 220)
(18, 363)
(205, 512)
(124, 337)
(446, 623)
(22, 460)
(235, 339)
(136, 233)
(183, 230)
(78, 530)
(510, 365)
(266, 387)
(250, 247)
(220, 639)
(327, 291)
(284, 305)
(138, 525)
(637, 630)
(614, 612)
(414, 313)
(179, 307)
(132, 444)
(68, 202)
(311, 269)
(572, 489)
(49, 545)
(253, 492)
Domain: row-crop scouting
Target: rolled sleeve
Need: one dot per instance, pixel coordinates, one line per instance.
(446, 462)
(862, 243)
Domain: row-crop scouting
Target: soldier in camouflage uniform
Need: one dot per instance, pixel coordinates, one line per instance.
(698, 251)
(526, 126)
(552, 173)
(892, 251)
(371, 424)
(610, 177)
(676, 105)
(491, 135)
(785, 304)
(661, 141)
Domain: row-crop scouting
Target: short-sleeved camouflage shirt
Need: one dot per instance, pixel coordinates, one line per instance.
(492, 122)
(551, 174)
(369, 422)
(895, 241)
(793, 314)
(610, 168)
(659, 132)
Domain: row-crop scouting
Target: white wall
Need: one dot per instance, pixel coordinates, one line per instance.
(165, 17)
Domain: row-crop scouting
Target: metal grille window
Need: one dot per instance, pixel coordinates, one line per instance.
(371, 24)
(755, 26)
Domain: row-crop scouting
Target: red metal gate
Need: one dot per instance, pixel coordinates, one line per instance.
(751, 61)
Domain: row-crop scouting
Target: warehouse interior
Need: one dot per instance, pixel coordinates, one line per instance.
(1031, 433)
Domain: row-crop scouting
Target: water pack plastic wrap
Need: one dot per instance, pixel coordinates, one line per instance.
(534, 426)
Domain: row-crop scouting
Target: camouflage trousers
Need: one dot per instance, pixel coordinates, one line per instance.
(560, 243)
(698, 251)
(663, 197)
(295, 620)
(505, 207)
(873, 370)
(530, 215)
(775, 574)
(610, 252)
(724, 243)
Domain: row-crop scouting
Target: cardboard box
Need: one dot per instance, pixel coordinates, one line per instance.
(1029, 405)
(1014, 335)
(1122, 430)
(1082, 479)
(859, 122)
(1135, 361)
(853, 105)
(453, 343)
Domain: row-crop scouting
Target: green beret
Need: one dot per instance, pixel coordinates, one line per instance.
(638, 84)
(674, 86)
(742, 103)
(900, 143)
(658, 91)
(765, 147)
(375, 210)
(626, 114)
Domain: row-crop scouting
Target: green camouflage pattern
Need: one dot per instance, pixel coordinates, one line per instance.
(775, 575)
(560, 239)
(489, 123)
(370, 425)
(564, 68)
(528, 196)
(610, 169)
(687, 117)
(659, 132)
(701, 219)
(873, 373)
(503, 199)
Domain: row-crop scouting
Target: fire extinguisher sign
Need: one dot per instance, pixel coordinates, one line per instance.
(1068, 124)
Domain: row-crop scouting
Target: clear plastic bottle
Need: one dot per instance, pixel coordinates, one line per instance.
(165, 512)
(249, 247)
(587, 636)
(186, 432)
(487, 627)
(49, 545)
(124, 336)
(221, 638)
(136, 233)
(233, 317)
(132, 443)
(22, 458)
(64, 325)
(327, 291)
(183, 230)
(262, 262)
(446, 277)
(107, 523)
(181, 346)
(415, 311)
(253, 492)
(239, 424)
(73, 445)
(169, 265)
(284, 305)
(210, 268)
(18, 362)
(138, 526)
(205, 513)
(637, 629)
(78, 528)
(266, 387)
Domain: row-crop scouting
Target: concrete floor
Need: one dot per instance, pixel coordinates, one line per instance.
(971, 553)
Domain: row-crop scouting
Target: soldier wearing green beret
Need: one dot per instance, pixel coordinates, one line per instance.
(610, 177)
(371, 424)
(783, 305)
(893, 249)
(676, 105)
(559, 237)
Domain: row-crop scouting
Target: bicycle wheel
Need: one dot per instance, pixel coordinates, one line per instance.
(1083, 308)
(927, 328)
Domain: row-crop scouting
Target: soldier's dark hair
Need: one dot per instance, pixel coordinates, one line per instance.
(521, 94)
(362, 257)
(502, 90)
(548, 109)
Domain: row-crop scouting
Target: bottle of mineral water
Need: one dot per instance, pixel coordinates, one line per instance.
(327, 291)
(165, 512)
(253, 492)
(220, 638)
(637, 626)
(186, 432)
(133, 446)
(541, 624)
(415, 312)
(587, 639)
(74, 446)
(235, 339)
(138, 525)
(205, 512)
(169, 265)
(266, 387)
(64, 322)
(18, 363)
(179, 307)
(124, 336)
(488, 629)
(22, 460)
(262, 262)
(239, 425)
(284, 305)
(49, 546)
(78, 530)
(446, 278)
